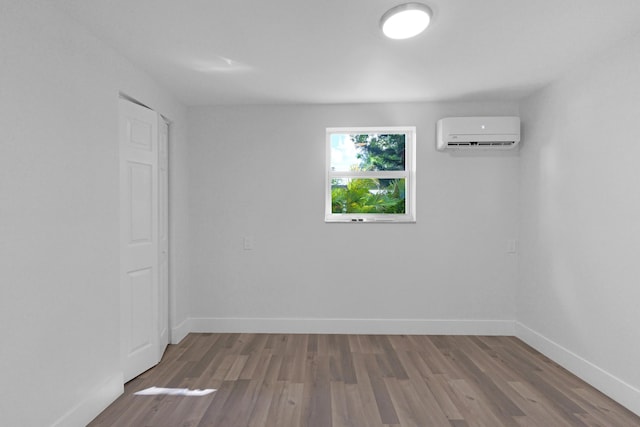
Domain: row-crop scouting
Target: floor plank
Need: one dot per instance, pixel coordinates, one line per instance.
(362, 381)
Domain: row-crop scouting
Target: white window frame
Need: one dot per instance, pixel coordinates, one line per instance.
(409, 175)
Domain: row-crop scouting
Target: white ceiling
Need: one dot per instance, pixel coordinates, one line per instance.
(211, 52)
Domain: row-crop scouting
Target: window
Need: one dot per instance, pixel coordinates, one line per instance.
(370, 175)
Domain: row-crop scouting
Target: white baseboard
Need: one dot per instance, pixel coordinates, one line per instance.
(95, 402)
(353, 326)
(614, 387)
(180, 331)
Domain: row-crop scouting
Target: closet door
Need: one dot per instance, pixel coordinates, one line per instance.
(163, 237)
(139, 245)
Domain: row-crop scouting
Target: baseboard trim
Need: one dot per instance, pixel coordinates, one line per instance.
(180, 331)
(623, 393)
(353, 326)
(95, 402)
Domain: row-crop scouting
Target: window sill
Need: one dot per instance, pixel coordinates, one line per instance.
(363, 220)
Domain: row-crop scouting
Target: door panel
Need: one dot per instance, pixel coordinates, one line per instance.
(140, 203)
(139, 264)
(163, 230)
(141, 290)
(141, 134)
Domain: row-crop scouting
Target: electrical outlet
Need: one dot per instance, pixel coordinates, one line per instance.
(247, 243)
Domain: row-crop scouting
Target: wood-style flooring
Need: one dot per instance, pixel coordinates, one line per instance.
(362, 381)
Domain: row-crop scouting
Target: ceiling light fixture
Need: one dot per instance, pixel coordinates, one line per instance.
(406, 20)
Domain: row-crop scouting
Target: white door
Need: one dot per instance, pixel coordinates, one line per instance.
(163, 238)
(139, 246)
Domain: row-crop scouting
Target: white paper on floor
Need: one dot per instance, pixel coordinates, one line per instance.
(151, 391)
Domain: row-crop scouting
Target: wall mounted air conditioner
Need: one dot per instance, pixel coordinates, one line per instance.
(459, 133)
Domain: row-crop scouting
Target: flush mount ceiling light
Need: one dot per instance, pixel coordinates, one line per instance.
(406, 20)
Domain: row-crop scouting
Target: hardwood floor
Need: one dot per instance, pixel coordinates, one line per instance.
(362, 380)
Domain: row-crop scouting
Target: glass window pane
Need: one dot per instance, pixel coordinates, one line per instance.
(367, 152)
(367, 195)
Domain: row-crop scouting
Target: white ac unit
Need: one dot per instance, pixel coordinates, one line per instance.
(459, 133)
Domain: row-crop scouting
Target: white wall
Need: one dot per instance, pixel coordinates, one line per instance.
(59, 298)
(258, 171)
(580, 222)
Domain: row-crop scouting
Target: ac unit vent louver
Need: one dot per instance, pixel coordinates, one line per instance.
(467, 133)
